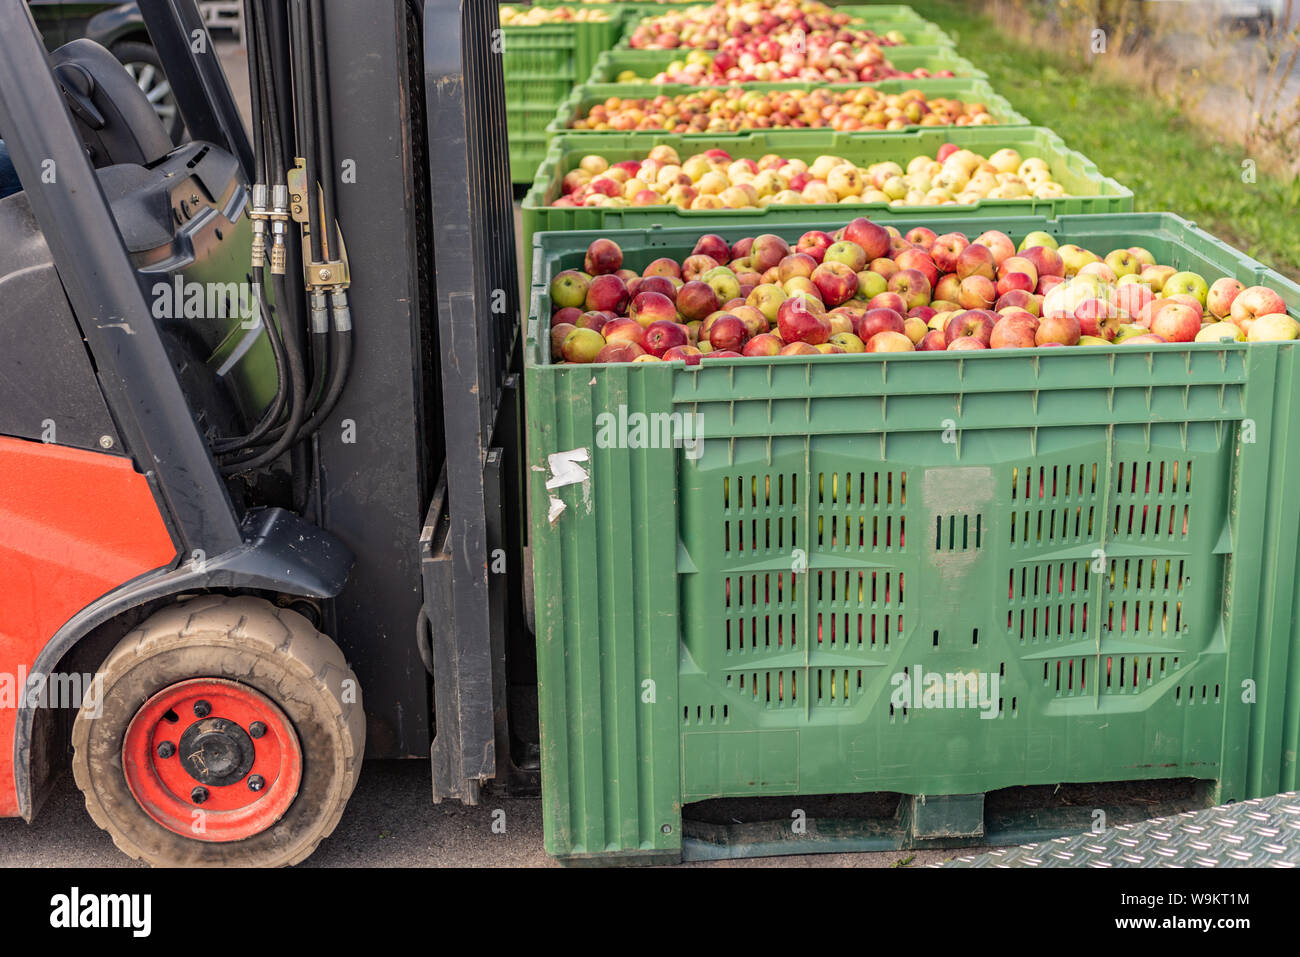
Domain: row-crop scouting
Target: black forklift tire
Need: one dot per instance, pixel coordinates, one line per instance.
(139, 52)
(253, 644)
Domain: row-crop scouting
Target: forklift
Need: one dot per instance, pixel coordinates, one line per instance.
(260, 405)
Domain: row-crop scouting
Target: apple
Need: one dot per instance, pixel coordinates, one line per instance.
(884, 267)
(690, 354)
(767, 298)
(1128, 330)
(871, 284)
(1190, 301)
(764, 344)
(796, 322)
(1155, 276)
(1062, 330)
(722, 354)
(694, 267)
(1255, 301)
(724, 282)
(948, 288)
(568, 314)
(920, 260)
(875, 321)
(947, 249)
(1186, 283)
(848, 253)
(713, 246)
(965, 344)
(696, 299)
(973, 323)
(888, 300)
(873, 238)
(1075, 258)
(1019, 281)
(728, 332)
(1019, 299)
(752, 316)
(1122, 262)
(934, 341)
(1047, 283)
(1100, 271)
(814, 243)
(849, 342)
(921, 237)
(796, 264)
(1143, 256)
(1132, 297)
(1037, 238)
(619, 352)
(624, 330)
(977, 292)
(1013, 333)
(603, 256)
(912, 286)
(999, 243)
(558, 334)
(582, 345)
(1273, 327)
(977, 260)
(662, 335)
(890, 342)
(1097, 318)
(915, 328)
(607, 292)
(768, 250)
(1146, 338)
(594, 319)
(665, 267)
(1219, 331)
(568, 288)
(650, 307)
(1219, 299)
(835, 281)
(1176, 322)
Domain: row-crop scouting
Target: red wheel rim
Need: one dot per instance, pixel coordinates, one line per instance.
(212, 760)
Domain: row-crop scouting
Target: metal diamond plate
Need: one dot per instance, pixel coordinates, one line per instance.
(1264, 832)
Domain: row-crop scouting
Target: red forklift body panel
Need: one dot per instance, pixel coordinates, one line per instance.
(74, 525)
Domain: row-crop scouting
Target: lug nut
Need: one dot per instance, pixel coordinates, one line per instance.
(256, 729)
(199, 795)
(166, 749)
(202, 709)
(256, 782)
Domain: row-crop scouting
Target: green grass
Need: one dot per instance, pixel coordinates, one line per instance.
(1170, 164)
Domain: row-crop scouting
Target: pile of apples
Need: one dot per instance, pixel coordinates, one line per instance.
(540, 16)
(734, 109)
(701, 68)
(713, 180)
(866, 288)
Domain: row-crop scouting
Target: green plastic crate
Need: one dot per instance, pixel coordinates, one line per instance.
(649, 62)
(1110, 531)
(1093, 192)
(541, 66)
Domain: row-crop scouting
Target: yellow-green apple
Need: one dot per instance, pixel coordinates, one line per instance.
(815, 243)
(582, 345)
(890, 342)
(888, 300)
(768, 250)
(977, 292)
(830, 349)
(972, 324)
(848, 253)
(1012, 333)
(1037, 238)
(753, 318)
(875, 321)
(619, 352)
(1075, 258)
(798, 348)
(646, 357)
(661, 335)
(767, 298)
(1019, 299)
(1185, 283)
(976, 260)
(945, 305)
(1145, 339)
(1122, 262)
(1273, 327)
(1094, 341)
(1255, 301)
(608, 293)
(1218, 331)
(689, 354)
(568, 288)
(947, 249)
(849, 342)
(796, 264)
(650, 307)
(1176, 322)
(1060, 329)
(1155, 276)
(723, 281)
(696, 299)
(728, 332)
(1129, 329)
(1219, 299)
(914, 328)
(624, 330)
(796, 322)
(871, 284)
(912, 285)
(998, 242)
(841, 322)
(603, 256)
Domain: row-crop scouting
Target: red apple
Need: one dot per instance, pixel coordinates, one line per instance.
(1253, 302)
(965, 344)
(947, 288)
(976, 291)
(568, 314)
(919, 260)
(728, 332)
(665, 267)
(933, 341)
(1047, 261)
(912, 285)
(1018, 281)
(768, 251)
(1219, 299)
(797, 322)
(872, 237)
(650, 307)
(603, 256)
(619, 352)
(977, 260)
(765, 344)
(713, 246)
(607, 293)
(689, 354)
(796, 264)
(875, 321)
(973, 323)
(1132, 297)
(1058, 329)
(1019, 298)
(1176, 322)
(814, 243)
(1000, 244)
(836, 282)
(662, 335)
(884, 267)
(624, 330)
(696, 299)
(888, 300)
(1013, 333)
(947, 249)
(890, 342)
(558, 334)
(693, 267)
(921, 237)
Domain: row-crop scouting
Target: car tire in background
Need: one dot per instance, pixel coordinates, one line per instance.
(143, 63)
